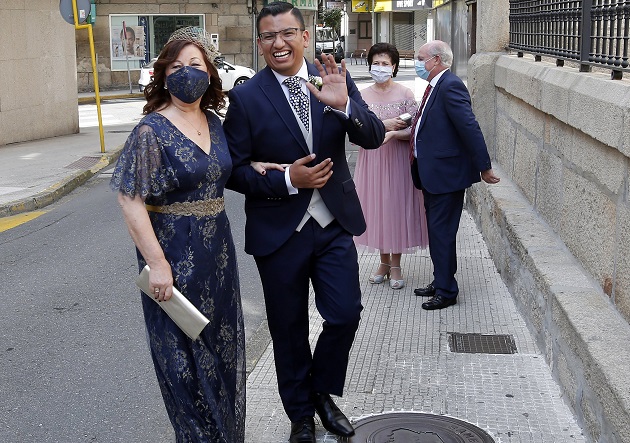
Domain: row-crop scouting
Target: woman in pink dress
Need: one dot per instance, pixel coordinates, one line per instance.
(392, 206)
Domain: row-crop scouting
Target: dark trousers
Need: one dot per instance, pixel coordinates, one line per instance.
(327, 258)
(443, 214)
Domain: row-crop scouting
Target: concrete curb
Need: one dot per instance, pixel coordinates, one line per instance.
(59, 189)
(92, 99)
(585, 341)
(256, 346)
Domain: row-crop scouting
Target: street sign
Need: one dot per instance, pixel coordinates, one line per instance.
(361, 5)
(83, 10)
(378, 5)
(411, 5)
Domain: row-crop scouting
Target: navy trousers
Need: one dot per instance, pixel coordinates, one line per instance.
(327, 258)
(443, 214)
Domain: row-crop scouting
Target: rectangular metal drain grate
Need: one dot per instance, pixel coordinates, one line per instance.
(83, 163)
(481, 344)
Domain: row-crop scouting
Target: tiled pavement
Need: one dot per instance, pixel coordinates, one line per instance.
(401, 359)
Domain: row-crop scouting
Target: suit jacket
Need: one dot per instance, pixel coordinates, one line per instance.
(260, 125)
(450, 146)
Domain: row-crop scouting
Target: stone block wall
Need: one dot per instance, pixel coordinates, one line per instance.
(557, 224)
(38, 96)
(562, 137)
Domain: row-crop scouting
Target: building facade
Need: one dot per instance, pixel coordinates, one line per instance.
(129, 34)
(38, 72)
(404, 23)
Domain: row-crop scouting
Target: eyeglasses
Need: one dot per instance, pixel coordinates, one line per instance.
(287, 35)
(425, 60)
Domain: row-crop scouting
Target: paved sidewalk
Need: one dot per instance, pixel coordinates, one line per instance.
(37, 173)
(401, 359)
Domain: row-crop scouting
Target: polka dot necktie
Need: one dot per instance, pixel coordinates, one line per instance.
(298, 99)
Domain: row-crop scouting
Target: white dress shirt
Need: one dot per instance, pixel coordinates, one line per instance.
(433, 82)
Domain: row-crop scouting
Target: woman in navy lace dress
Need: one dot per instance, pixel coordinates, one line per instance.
(170, 180)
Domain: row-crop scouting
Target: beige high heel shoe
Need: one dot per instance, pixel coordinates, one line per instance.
(396, 284)
(377, 279)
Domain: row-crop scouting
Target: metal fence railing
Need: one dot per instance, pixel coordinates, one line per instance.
(590, 32)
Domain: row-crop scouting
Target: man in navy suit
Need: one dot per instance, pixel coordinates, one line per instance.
(301, 220)
(450, 155)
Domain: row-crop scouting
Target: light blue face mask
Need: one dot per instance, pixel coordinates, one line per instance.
(421, 71)
(381, 74)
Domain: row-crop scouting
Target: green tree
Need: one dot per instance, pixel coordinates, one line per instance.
(331, 18)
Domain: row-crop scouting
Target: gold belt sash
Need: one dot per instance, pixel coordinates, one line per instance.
(199, 208)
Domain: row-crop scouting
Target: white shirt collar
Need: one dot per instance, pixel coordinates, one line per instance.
(435, 79)
(302, 73)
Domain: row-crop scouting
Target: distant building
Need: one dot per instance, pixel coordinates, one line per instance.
(405, 23)
(232, 22)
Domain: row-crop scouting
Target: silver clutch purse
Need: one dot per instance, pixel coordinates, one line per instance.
(406, 117)
(178, 308)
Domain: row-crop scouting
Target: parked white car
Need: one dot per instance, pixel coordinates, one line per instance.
(231, 75)
(146, 74)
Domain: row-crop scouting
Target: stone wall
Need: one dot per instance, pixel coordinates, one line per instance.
(38, 96)
(564, 138)
(557, 225)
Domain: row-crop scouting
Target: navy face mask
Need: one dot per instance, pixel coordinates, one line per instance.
(188, 84)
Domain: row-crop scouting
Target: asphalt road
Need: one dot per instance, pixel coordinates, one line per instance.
(75, 364)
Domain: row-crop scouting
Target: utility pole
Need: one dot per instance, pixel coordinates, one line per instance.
(374, 41)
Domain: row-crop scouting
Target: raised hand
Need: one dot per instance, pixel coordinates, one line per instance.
(303, 176)
(334, 92)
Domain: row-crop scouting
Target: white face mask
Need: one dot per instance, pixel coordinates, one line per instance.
(381, 74)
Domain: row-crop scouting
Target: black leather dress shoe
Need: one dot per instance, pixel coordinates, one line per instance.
(303, 431)
(331, 416)
(428, 291)
(438, 302)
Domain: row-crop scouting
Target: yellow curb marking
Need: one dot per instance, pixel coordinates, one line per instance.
(102, 163)
(12, 221)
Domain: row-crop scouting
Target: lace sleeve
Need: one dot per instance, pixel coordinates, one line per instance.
(411, 106)
(142, 168)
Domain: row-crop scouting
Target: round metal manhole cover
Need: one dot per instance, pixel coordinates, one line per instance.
(412, 427)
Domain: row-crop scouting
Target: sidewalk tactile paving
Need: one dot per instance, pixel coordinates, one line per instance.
(401, 360)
